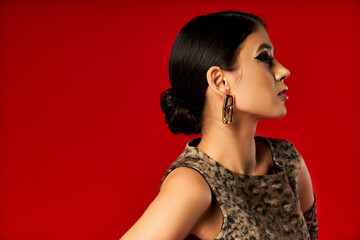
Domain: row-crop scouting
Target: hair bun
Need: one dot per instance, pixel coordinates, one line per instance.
(180, 117)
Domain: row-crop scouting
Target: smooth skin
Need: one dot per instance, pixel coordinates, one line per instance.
(184, 204)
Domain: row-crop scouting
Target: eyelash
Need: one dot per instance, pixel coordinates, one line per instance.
(264, 57)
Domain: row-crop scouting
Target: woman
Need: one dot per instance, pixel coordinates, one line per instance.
(228, 183)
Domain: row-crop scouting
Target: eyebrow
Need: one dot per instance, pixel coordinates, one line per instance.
(265, 46)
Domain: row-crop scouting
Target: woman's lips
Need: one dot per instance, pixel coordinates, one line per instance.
(283, 96)
(283, 91)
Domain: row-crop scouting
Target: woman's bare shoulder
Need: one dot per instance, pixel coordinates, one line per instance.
(186, 177)
(183, 199)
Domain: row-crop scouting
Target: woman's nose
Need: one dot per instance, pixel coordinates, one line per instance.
(281, 73)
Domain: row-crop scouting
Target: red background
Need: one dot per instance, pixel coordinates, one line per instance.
(83, 139)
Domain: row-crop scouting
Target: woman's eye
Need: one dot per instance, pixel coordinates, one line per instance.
(264, 57)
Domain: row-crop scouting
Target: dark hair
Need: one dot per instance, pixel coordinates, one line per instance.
(209, 40)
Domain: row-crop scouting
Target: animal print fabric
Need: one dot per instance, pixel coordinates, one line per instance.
(254, 207)
(311, 221)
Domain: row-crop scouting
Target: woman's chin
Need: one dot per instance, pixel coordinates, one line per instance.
(284, 112)
(279, 114)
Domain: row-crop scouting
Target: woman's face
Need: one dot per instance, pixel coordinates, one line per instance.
(258, 79)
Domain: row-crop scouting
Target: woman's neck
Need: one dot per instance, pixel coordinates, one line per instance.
(234, 147)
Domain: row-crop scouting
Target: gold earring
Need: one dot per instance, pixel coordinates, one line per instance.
(228, 108)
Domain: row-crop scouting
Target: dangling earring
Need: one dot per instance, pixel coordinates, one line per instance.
(228, 108)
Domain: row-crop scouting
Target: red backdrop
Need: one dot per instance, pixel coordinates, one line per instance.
(83, 139)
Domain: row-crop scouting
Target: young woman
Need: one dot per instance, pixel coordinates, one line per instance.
(228, 183)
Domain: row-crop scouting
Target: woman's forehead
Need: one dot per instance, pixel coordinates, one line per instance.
(257, 41)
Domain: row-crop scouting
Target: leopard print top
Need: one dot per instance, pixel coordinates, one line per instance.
(255, 206)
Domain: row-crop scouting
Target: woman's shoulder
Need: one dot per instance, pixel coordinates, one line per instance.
(188, 181)
(287, 156)
(191, 160)
(185, 181)
(188, 193)
(284, 149)
(183, 199)
(281, 142)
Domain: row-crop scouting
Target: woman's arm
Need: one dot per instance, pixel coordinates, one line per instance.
(183, 199)
(305, 187)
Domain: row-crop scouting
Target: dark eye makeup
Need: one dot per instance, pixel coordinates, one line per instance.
(264, 57)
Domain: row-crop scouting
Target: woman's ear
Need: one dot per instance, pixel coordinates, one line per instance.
(216, 81)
